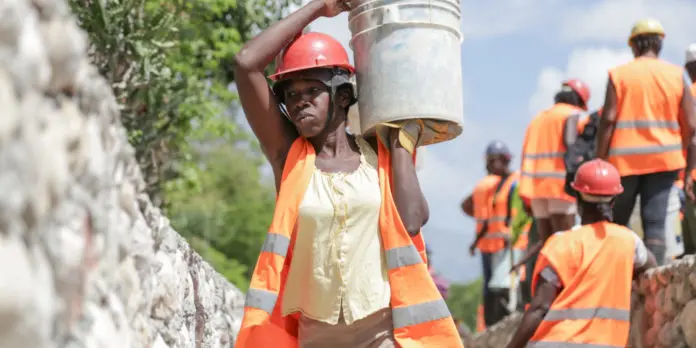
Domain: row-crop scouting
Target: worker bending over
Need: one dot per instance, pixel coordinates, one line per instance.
(582, 280)
(491, 235)
(343, 263)
(642, 135)
(543, 169)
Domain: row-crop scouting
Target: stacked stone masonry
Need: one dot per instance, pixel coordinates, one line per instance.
(663, 313)
(87, 260)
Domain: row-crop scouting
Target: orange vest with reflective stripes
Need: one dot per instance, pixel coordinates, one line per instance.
(543, 170)
(481, 197)
(420, 315)
(647, 136)
(595, 266)
(500, 217)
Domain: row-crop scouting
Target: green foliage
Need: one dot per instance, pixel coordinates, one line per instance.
(231, 209)
(463, 302)
(170, 66)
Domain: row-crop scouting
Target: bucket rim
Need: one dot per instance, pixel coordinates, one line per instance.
(379, 3)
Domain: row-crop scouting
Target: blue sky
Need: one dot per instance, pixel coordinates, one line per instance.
(514, 55)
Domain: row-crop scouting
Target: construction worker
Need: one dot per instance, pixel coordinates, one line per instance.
(491, 236)
(583, 277)
(358, 198)
(543, 169)
(689, 208)
(640, 132)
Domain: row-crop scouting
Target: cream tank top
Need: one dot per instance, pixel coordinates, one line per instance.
(338, 267)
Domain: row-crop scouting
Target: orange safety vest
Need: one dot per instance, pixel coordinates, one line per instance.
(543, 169)
(595, 266)
(523, 239)
(499, 219)
(420, 315)
(481, 197)
(685, 133)
(480, 321)
(647, 136)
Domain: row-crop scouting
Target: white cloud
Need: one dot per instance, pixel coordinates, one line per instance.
(611, 20)
(489, 19)
(590, 65)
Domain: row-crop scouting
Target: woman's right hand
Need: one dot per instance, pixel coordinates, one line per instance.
(333, 8)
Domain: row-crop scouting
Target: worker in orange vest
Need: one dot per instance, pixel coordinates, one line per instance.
(689, 208)
(358, 199)
(641, 132)
(489, 241)
(582, 279)
(543, 175)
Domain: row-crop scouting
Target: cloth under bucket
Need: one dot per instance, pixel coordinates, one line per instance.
(408, 59)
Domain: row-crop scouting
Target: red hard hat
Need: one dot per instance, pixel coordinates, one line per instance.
(312, 50)
(598, 178)
(580, 88)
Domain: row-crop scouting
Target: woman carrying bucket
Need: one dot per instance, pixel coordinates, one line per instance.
(582, 279)
(343, 264)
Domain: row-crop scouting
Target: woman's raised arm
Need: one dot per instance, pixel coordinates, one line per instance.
(260, 105)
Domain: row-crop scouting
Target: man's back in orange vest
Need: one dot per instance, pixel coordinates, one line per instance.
(582, 279)
(640, 133)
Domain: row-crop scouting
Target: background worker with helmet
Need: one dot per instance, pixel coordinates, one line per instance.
(492, 229)
(642, 134)
(689, 221)
(344, 245)
(543, 169)
(583, 277)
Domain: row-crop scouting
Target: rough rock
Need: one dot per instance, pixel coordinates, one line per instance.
(89, 262)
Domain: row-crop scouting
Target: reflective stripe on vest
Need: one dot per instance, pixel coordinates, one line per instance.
(543, 169)
(595, 265)
(482, 196)
(568, 345)
(420, 315)
(647, 137)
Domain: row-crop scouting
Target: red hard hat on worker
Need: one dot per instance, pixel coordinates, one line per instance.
(580, 88)
(598, 178)
(309, 51)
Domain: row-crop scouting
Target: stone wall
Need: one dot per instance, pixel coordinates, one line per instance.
(663, 311)
(87, 260)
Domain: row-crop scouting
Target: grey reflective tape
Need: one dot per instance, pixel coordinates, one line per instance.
(495, 235)
(540, 175)
(638, 124)
(276, 243)
(419, 313)
(548, 344)
(497, 219)
(402, 257)
(544, 155)
(588, 313)
(261, 299)
(644, 150)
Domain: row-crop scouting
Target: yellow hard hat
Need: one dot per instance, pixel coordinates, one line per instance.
(646, 26)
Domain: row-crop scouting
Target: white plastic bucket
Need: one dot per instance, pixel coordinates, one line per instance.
(408, 59)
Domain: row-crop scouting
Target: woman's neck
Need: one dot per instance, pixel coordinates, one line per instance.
(334, 141)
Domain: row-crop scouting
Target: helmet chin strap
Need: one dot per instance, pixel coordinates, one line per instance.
(332, 96)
